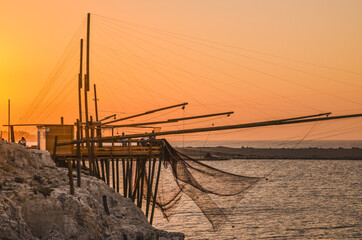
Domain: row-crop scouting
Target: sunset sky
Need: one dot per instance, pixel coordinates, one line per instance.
(261, 59)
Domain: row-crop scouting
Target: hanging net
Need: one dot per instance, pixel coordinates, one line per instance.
(214, 191)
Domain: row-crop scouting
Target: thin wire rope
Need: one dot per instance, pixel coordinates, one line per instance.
(227, 45)
(230, 75)
(163, 76)
(255, 70)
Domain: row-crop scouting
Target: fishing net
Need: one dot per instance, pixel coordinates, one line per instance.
(215, 192)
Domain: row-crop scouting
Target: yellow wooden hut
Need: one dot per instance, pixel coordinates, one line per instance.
(47, 133)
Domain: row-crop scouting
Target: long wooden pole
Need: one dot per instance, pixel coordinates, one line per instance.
(238, 126)
(78, 154)
(86, 89)
(88, 39)
(145, 113)
(117, 171)
(168, 121)
(70, 176)
(80, 81)
(98, 130)
(227, 127)
(9, 127)
(95, 101)
(156, 189)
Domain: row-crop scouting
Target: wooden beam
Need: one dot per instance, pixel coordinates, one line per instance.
(80, 75)
(168, 121)
(228, 127)
(86, 89)
(145, 113)
(9, 127)
(95, 101)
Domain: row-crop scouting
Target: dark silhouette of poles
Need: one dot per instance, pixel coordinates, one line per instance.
(78, 154)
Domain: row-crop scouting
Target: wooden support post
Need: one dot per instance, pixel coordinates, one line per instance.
(12, 133)
(138, 177)
(130, 178)
(80, 75)
(94, 157)
(95, 101)
(96, 164)
(78, 155)
(107, 170)
(157, 181)
(90, 159)
(86, 89)
(94, 170)
(98, 129)
(124, 177)
(113, 175)
(62, 120)
(9, 127)
(82, 148)
(150, 185)
(70, 176)
(97, 168)
(144, 161)
(136, 180)
(103, 172)
(117, 170)
(55, 148)
(105, 204)
(80, 80)
(88, 46)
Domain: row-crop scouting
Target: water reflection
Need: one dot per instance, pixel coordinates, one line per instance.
(302, 199)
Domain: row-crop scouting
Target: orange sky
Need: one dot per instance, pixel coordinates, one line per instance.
(246, 65)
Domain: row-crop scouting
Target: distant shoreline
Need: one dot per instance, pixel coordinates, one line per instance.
(223, 153)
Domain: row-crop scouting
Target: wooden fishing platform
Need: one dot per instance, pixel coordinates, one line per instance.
(111, 151)
(129, 163)
(131, 167)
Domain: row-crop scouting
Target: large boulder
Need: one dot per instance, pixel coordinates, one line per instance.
(35, 203)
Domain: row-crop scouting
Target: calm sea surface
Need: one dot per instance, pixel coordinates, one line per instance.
(271, 144)
(302, 199)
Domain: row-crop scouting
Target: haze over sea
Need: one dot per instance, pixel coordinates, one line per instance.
(270, 143)
(301, 199)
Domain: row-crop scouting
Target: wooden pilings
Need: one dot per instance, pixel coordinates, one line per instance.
(135, 177)
(78, 154)
(70, 176)
(55, 147)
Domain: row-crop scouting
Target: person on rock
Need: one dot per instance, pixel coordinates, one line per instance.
(23, 142)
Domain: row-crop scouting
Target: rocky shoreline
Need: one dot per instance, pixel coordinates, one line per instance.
(35, 203)
(223, 153)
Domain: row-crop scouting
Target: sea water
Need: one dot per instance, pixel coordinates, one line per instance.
(301, 199)
(270, 144)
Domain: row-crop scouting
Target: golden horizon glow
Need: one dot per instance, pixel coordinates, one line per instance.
(264, 60)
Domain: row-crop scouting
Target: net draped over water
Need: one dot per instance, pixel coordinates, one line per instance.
(202, 184)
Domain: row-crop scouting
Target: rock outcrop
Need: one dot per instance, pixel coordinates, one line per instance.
(35, 203)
